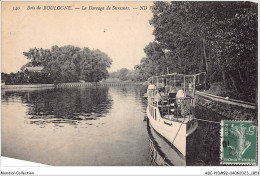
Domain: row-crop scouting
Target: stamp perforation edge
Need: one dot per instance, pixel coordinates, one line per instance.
(221, 145)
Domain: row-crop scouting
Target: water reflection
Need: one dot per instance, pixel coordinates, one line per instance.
(63, 106)
(162, 154)
(203, 146)
(76, 126)
(106, 124)
(96, 126)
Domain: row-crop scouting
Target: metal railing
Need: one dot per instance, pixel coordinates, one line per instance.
(179, 108)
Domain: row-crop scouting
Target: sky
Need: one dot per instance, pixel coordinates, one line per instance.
(122, 34)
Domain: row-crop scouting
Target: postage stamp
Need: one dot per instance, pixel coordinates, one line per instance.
(238, 143)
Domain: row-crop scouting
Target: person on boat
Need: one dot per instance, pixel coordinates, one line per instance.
(180, 95)
(151, 93)
(183, 104)
(162, 92)
(151, 87)
(158, 98)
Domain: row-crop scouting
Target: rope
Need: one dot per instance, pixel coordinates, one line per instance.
(172, 143)
(208, 121)
(179, 130)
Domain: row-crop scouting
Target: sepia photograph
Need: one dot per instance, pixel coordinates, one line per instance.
(130, 83)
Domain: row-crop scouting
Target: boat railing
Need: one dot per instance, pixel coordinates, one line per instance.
(176, 108)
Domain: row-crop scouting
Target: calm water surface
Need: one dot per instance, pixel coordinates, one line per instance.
(77, 126)
(95, 127)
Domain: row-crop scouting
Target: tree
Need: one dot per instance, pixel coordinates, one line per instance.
(69, 63)
(123, 74)
(217, 37)
(155, 62)
(94, 65)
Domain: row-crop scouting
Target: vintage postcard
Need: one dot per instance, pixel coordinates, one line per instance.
(130, 83)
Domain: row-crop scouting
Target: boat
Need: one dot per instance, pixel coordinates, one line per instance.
(161, 153)
(171, 106)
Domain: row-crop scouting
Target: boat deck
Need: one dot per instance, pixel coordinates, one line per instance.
(180, 119)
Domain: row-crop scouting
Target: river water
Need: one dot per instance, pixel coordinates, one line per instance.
(101, 126)
(76, 126)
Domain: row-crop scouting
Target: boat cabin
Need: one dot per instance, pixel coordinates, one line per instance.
(173, 94)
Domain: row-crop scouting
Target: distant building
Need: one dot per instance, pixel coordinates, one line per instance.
(34, 69)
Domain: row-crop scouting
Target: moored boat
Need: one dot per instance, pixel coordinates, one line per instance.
(171, 106)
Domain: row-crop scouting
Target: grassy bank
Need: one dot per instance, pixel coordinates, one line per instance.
(219, 90)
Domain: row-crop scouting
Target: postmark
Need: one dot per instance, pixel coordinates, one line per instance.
(238, 143)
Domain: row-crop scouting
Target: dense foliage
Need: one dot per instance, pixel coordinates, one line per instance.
(123, 74)
(26, 77)
(62, 64)
(217, 37)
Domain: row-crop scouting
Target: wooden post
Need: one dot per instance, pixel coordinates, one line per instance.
(184, 85)
(174, 83)
(204, 50)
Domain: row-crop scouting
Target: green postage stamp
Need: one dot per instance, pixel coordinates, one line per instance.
(238, 143)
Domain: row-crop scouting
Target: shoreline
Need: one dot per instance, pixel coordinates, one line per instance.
(235, 109)
(71, 84)
(22, 86)
(231, 109)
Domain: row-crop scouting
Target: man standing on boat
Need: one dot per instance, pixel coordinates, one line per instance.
(157, 97)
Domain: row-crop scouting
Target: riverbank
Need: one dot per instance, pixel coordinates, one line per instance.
(229, 108)
(26, 86)
(228, 103)
(72, 84)
(98, 84)
(218, 89)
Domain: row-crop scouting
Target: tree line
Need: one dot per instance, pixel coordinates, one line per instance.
(62, 64)
(217, 37)
(123, 74)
